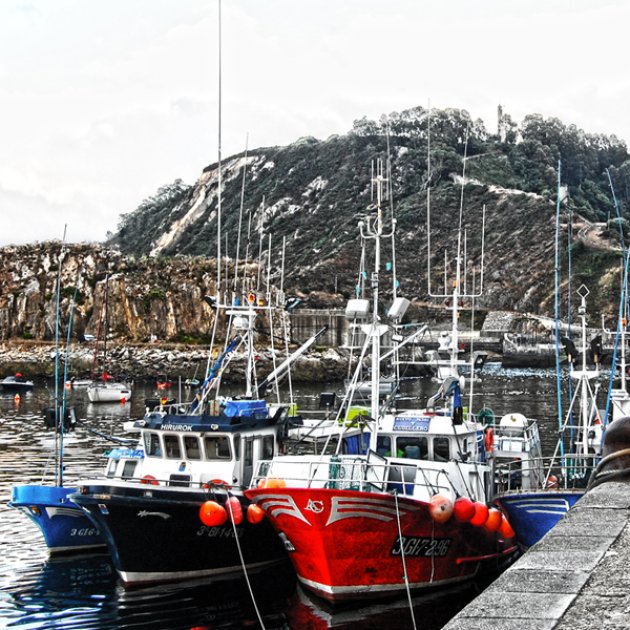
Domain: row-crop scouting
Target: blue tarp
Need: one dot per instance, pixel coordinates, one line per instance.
(246, 408)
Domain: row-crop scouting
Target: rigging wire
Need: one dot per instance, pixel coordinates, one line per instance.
(404, 563)
(557, 314)
(240, 218)
(58, 453)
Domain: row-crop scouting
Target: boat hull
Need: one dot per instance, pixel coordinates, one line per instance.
(533, 514)
(346, 544)
(64, 525)
(108, 394)
(16, 388)
(155, 535)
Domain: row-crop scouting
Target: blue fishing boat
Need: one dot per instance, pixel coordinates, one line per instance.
(537, 493)
(65, 527)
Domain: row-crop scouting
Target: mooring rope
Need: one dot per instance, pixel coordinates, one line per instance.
(404, 563)
(240, 555)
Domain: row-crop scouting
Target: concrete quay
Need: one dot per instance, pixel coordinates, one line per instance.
(576, 578)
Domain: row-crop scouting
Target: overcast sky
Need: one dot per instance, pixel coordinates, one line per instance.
(104, 101)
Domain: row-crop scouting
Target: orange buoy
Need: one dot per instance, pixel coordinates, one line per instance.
(255, 513)
(463, 509)
(150, 479)
(493, 522)
(17, 398)
(272, 483)
(235, 510)
(481, 514)
(505, 529)
(440, 508)
(212, 514)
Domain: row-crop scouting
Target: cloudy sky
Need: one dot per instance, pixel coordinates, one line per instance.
(104, 101)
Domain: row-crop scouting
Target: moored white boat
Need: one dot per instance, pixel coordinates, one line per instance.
(108, 391)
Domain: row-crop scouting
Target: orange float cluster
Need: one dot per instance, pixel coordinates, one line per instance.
(213, 514)
(476, 513)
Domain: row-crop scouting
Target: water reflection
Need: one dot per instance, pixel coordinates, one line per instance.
(430, 611)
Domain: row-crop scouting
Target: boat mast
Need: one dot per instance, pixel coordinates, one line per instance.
(557, 312)
(457, 294)
(219, 182)
(372, 228)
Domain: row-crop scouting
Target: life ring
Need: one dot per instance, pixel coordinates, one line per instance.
(551, 482)
(149, 479)
(489, 439)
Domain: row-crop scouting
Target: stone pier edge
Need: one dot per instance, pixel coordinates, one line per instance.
(576, 578)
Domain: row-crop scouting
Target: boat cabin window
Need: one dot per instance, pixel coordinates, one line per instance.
(327, 446)
(171, 445)
(217, 447)
(267, 447)
(111, 467)
(412, 447)
(129, 469)
(441, 449)
(249, 452)
(192, 446)
(237, 445)
(384, 445)
(152, 445)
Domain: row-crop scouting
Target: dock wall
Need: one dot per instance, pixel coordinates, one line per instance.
(576, 578)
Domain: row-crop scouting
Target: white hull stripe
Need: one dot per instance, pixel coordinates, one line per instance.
(376, 509)
(376, 588)
(75, 547)
(61, 511)
(540, 501)
(142, 577)
(276, 504)
(558, 512)
(549, 505)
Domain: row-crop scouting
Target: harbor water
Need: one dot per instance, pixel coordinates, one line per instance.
(81, 592)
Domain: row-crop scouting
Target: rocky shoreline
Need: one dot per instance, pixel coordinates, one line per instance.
(147, 361)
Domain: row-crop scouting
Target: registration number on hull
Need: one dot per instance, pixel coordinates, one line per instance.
(421, 546)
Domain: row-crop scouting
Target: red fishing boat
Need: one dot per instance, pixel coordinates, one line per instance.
(407, 511)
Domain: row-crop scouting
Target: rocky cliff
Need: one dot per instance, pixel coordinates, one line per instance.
(296, 209)
(127, 298)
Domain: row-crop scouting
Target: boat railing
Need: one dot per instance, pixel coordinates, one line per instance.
(544, 473)
(517, 441)
(354, 473)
